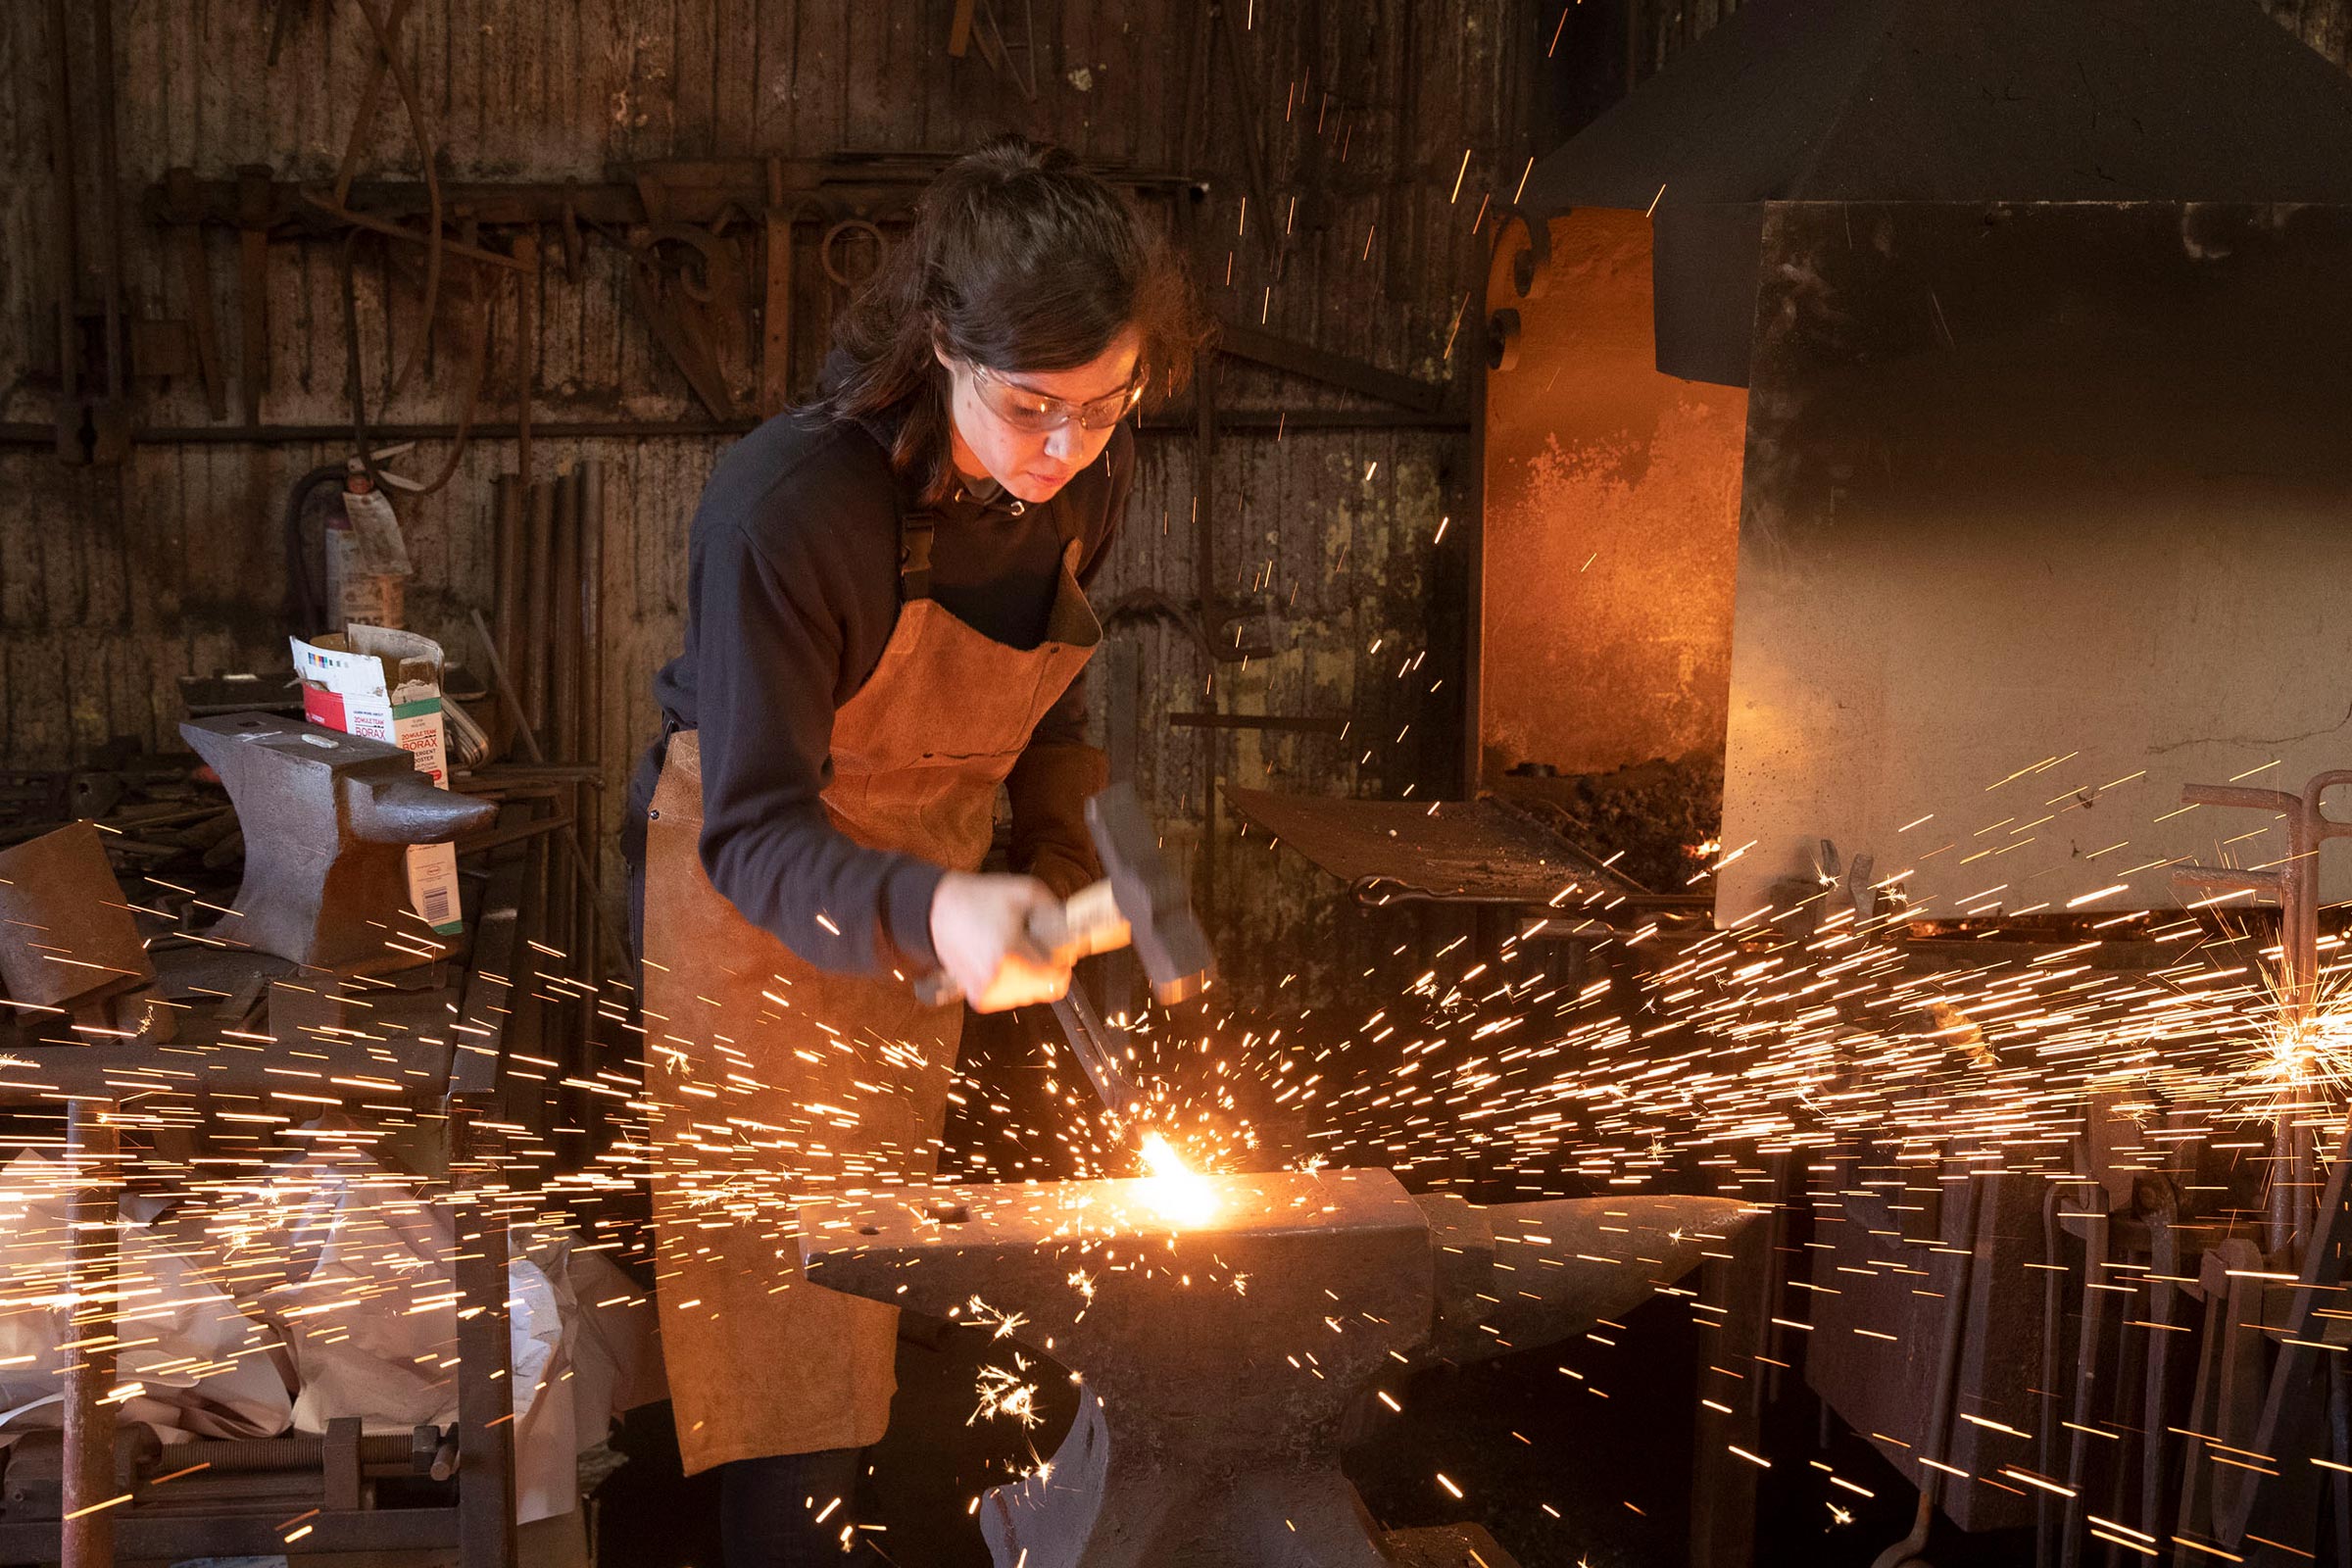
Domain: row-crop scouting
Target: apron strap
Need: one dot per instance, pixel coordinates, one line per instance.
(915, 554)
(917, 525)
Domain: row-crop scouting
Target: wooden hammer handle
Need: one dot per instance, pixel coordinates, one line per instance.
(1087, 923)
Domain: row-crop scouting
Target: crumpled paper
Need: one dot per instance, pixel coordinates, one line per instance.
(197, 1366)
(323, 1287)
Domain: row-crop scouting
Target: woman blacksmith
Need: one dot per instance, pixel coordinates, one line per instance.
(886, 622)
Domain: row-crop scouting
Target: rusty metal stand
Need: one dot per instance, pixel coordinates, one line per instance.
(2295, 1410)
(485, 1408)
(2295, 883)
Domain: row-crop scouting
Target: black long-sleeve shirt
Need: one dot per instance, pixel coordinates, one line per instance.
(792, 592)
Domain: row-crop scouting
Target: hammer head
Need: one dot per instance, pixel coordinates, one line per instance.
(1152, 899)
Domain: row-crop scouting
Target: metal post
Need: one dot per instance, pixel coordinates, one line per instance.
(92, 1150)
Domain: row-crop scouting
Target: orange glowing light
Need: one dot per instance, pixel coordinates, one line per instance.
(1178, 1193)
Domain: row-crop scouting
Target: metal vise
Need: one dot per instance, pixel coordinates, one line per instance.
(1225, 1326)
(327, 817)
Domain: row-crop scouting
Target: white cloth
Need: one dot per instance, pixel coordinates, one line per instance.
(323, 1289)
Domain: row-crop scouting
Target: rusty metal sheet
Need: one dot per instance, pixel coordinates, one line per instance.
(1480, 851)
(67, 935)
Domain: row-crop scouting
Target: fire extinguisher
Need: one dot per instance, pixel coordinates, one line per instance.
(367, 561)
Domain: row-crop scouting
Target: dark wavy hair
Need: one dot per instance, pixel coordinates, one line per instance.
(1019, 261)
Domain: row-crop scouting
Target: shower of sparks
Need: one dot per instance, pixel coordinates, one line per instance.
(1000, 1325)
(1826, 1052)
(1810, 1056)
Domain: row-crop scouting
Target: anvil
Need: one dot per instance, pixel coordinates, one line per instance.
(1222, 1327)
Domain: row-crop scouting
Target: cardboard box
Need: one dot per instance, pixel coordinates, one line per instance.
(386, 685)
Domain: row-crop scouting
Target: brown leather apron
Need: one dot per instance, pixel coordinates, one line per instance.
(774, 1080)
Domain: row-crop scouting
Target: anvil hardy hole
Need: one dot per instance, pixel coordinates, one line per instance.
(950, 1214)
(870, 1230)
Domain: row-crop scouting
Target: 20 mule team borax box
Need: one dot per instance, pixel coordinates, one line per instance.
(385, 685)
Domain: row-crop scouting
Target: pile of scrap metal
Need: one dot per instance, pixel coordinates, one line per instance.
(154, 819)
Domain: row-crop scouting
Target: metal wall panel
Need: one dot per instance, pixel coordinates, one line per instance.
(2043, 521)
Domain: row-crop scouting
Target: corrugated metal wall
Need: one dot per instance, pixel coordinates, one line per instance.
(1387, 128)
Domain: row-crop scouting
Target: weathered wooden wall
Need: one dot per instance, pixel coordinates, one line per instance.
(1390, 123)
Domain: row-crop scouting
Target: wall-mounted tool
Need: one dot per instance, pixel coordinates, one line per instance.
(775, 312)
(691, 283)
(252, 286)
(187, 206)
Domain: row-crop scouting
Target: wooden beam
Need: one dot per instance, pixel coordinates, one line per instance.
(1333, 370)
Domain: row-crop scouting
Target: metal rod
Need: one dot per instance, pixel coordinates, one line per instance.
(2189, 1516)
(62, 218)
(1935, 1442)
(2164, 1256)
(110, 217)
(223, 1454)
(2086, 1375)
(527, 349)
(505, 524)
(592, 689)
(92, 1150)
(485, 1402)
(1097, 1049)
(561, 639)
(1271, 721)
(2045, 1429)
(368, 221)
(848, 181)
(539, 561)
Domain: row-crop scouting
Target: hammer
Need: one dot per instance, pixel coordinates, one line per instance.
(1139, 901)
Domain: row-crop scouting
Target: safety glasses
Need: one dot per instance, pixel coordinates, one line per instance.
(1037, 414)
